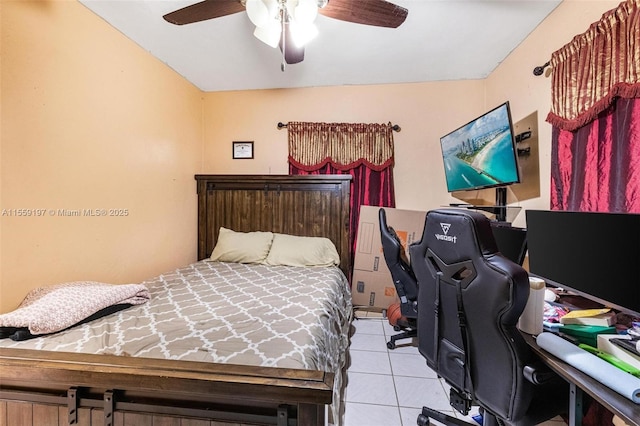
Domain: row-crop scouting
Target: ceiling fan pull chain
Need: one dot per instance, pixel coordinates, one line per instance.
(282, 35)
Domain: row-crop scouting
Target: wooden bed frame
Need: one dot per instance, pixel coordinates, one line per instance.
(41, 388)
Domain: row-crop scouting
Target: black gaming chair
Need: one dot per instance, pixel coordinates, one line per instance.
(403, 280)
(469, 302)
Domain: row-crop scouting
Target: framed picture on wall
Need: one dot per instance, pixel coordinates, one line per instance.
(243, 150)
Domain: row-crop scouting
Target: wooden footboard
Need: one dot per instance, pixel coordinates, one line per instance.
(51, 388)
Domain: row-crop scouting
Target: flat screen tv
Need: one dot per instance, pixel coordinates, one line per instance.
(482, 153)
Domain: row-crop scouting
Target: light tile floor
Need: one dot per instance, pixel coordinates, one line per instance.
(389, 387)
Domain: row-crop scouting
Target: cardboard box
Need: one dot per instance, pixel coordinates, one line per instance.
(372, 283)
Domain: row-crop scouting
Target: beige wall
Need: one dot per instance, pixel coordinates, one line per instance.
(91, 121)
(424, 112)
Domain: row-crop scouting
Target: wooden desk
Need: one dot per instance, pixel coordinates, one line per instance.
(580, 382)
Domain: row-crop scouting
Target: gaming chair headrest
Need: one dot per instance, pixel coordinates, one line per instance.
(458, 234)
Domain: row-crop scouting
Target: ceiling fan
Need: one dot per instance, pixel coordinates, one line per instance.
(289, 23)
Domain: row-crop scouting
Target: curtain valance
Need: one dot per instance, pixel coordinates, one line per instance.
(596, 67)
(343, 145)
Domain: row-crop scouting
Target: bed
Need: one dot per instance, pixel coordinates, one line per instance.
(226, 385)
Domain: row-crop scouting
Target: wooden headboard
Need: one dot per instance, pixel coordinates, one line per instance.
(312, 206)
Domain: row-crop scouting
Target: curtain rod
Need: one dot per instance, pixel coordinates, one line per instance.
(540, 69)
(282, 125)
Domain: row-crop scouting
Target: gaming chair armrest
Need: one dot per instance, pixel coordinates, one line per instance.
(538, 373)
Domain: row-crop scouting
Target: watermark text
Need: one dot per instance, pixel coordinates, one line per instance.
(58, 212)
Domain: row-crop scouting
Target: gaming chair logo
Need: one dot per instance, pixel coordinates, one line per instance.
(445, 237)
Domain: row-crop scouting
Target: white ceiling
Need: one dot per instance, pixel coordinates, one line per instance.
(440, 40)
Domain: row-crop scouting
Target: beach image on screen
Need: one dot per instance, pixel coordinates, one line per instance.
(481, 153)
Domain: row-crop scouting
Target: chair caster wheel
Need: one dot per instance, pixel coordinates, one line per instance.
(391, 345)
(423, 420)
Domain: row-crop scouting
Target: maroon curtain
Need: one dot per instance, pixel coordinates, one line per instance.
(595, 113)
(365, 151)
(368, 188)
(597, 167)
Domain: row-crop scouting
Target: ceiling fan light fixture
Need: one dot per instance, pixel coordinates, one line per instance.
(304, 11)
(303, 33)
(261, 12)
(275, 20)
(269, 35)
(269, 16)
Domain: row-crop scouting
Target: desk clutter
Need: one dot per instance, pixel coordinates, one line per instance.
(531, 319)
(592, 341)
(601, 370)
(584, 325)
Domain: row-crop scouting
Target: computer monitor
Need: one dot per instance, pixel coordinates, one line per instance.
(511, 241)
(596, 255)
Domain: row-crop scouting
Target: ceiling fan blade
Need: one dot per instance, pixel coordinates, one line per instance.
(207, 9)
(292, 53)
(379, 13)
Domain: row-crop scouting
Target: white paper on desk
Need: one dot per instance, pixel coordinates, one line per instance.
(623, 383)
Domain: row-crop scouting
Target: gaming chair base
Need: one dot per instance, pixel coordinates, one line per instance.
(427, 413)
(406, 334)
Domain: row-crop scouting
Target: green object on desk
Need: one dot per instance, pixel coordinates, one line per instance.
(586, 333)
(611, 359)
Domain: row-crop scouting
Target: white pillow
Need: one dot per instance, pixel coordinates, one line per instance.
(291, 250)
(242, 247)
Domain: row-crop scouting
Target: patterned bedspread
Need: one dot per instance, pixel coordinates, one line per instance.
(278, 316)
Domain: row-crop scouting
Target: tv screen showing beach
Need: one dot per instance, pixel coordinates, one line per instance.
(481, 153)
